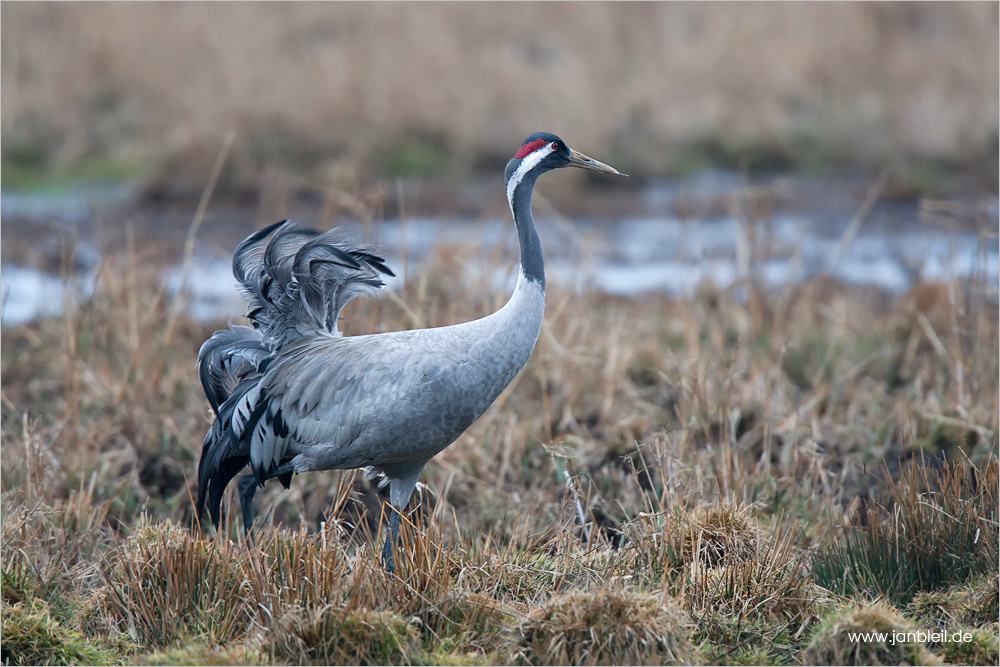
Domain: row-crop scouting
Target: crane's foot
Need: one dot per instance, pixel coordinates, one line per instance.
(248, 487)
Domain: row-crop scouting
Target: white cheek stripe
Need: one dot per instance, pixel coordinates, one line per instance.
(527, 164)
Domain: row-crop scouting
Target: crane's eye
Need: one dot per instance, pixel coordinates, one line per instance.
(554, 145)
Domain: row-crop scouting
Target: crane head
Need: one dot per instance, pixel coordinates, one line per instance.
(542, 152)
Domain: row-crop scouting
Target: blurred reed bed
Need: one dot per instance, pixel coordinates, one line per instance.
(111, 90)
(719, 478)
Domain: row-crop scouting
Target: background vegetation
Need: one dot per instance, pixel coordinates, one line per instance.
(350, 90)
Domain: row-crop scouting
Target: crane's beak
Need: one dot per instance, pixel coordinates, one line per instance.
(578, 159)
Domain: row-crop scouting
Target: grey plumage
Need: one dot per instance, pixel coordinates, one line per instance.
(291, 395)
(294, 282)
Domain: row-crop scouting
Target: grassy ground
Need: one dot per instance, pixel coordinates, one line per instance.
(720, 479)
(356, 90)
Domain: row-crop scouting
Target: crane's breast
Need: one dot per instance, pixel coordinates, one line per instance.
(444, 384)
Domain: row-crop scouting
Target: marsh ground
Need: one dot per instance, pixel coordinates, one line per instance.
(736, 475)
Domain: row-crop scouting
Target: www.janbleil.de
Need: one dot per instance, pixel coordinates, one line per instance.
(898, 636)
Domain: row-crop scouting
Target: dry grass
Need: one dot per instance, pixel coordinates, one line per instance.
(202, 654)
(392, 89)
(829, 645)
(162, 585)
(975, 604)
(32, 637)
(333, 636)
(940, 528)
(983, 649)
(605, 627)
(678, 462)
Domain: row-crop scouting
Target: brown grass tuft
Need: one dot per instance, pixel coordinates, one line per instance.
(604, 627)
(691, 540)
(976, 603)
(775, 585)
(164, 584)
(830, 645)
(32, 637)
(337, 636)
(204, 654)
(718, 535)
(983, 649)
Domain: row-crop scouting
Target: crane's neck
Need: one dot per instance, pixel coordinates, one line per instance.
(519, 191)
(501, 343)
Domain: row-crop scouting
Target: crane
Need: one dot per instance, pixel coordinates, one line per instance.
(290, 394)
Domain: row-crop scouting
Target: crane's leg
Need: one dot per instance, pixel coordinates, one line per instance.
(248, 487)
(392, 538)
(402, 480)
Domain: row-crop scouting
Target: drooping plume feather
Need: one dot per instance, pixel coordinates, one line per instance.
(227, 358)
(295, 282)
(298, 281)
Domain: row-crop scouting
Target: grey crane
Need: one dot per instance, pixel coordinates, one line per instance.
(290, 394)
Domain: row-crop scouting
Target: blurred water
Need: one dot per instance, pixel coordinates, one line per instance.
(27, 293)
(628, 257)
(623, 257)
(640, 255)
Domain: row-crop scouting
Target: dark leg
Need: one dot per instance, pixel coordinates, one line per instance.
(390, 539)
(248, 487)
(402, 478)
